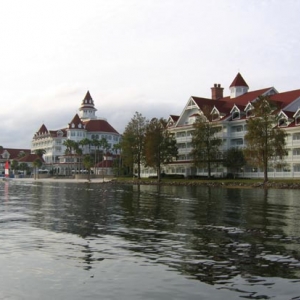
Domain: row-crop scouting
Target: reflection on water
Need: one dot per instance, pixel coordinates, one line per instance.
(148, 242)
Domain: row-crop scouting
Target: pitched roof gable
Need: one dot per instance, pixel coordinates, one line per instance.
(76, 123)
(14, 153)
(29, 158)
(238, 81)
(285, 98)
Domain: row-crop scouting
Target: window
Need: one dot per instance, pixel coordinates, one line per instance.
(235, 115)
(296, 136)
(282, 122)
(296, 151)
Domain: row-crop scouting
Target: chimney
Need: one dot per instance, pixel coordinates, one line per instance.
(217, 92)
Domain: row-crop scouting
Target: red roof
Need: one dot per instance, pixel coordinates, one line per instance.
(99, 125)
(13, 153)
(286, 98)
(87, 101)
(78, 124)
(245, 98)
(104, 164)
(29, 158)
(42, 130)
(238, 81)
(174, 118)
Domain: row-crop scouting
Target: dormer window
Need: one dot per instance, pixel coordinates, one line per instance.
(249, 113)
(282, 123)
(235, 115)
(73, 125)
(215, 117)
(297, 121)
(79, 125)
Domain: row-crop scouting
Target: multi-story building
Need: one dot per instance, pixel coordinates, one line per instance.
(84, 125)
(9, 154)
(231, 114)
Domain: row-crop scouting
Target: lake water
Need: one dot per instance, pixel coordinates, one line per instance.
(102, 241)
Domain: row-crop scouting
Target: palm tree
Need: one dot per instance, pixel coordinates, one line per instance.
(79, 152)
(40, 152)
(37, 163)
(70, 147)
(88, 163)
(97, 144)
(85, 142)
(105, 146)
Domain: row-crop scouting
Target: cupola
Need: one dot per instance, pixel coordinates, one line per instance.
(238, 87)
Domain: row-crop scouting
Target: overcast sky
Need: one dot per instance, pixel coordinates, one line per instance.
(133, 55)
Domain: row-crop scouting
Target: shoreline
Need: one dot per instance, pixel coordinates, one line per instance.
(217, 183)
(208, 183)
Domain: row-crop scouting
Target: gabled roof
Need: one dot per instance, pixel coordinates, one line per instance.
(29, 158)
(287, 114)
(174, 118)
(99, 125)
(76, 123)
(285, 98)
(238, 81)
(13, 153)
(54, 133)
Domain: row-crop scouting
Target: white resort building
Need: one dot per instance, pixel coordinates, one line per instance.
(84, 125)
(231, 113)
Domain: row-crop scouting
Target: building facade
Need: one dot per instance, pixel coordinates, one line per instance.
(84, 125)
(10, 154)
(231, 114)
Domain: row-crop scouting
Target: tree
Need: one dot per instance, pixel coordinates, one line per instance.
(14, 165)
(78, 152)
(37, 163)
(234, 159)
(97, 144)
(86, 142)
(105, 146)
(264, 140)
(133, 141)
(88, 163)
(24, 167)
(117, 162)
(205, 142)
(40, 152)
(160, 145)
(71, 146)
(21, 154)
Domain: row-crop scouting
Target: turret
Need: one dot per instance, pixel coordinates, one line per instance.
(87, 109)
(238, 87)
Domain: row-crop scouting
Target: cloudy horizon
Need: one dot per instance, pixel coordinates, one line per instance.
(145, 56)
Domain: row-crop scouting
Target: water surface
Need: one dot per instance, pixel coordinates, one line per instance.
(102, 241)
